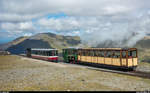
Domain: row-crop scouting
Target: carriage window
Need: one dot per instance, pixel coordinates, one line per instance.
(33, 52)
(108, 54)
(132, 54)
(46, 53)
(84, 53)
(43, 53)
(99, 53)
(53, 53)
(79, 52)
(95, 53)
(69, 52)
(49, 53)
(102, 53)
(123, 54)
(38, 52)
(64, 51)
(117, 54)
(88, 52)
(74, 51)
(56, 53)
(91, 53)
(113, 54)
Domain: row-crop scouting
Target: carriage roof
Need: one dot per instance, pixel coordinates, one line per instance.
(42, 49)
(104, 48)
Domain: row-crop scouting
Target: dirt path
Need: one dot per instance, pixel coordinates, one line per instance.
(20, 73)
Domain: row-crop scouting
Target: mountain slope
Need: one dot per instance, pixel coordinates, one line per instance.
(43, 40)
(58, 41)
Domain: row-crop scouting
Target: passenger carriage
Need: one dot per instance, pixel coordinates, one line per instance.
(41, 53)
(125, 58)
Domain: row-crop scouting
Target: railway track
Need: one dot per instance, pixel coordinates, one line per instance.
(131, 73)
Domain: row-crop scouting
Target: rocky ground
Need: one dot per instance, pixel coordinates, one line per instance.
(143, 66)
(25, 74)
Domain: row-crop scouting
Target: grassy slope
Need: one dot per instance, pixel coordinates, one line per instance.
(60, 42)
(19, 40)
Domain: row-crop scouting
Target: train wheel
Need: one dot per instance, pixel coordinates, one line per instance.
(132, 69)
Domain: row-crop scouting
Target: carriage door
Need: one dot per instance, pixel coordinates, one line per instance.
(124, 59)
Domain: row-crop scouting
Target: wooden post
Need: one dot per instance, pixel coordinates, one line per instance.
(121, 57)
(127, 57)
(104, 56)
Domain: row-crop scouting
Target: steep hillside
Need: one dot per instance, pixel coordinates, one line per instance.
(43, 40)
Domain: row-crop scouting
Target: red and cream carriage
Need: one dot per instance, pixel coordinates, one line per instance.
(45, 54)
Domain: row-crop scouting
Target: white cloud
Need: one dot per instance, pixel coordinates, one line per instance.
(94, 30)
(17, 26)
(34, 8)
(60, 24)
(28, 34)
(95, 20)
(10, 17)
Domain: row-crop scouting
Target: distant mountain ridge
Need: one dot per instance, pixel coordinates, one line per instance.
(41, 40)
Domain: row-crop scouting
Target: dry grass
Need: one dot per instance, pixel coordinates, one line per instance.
(20, 73)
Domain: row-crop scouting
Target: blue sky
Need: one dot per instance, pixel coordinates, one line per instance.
(95, 21)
